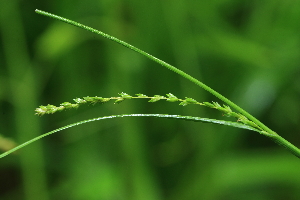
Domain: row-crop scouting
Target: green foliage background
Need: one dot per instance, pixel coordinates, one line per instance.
(246, 50)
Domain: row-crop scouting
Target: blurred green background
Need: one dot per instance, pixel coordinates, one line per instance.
(246, 50)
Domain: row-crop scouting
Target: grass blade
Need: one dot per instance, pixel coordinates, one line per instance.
(178, 117)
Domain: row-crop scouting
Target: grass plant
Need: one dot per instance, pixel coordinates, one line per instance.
(244, 120)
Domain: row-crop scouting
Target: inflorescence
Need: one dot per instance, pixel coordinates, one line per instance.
(226, 110)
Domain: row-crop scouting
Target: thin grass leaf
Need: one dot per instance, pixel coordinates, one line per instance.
(180, 117)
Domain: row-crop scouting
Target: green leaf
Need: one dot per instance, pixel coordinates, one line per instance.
(179, 117)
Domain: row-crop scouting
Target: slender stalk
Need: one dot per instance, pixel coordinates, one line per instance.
(286, 144)
(278, 139)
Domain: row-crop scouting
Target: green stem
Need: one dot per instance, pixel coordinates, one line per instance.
(183, 74)
(286, 144)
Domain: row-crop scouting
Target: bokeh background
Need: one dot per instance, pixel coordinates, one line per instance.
(248, 50)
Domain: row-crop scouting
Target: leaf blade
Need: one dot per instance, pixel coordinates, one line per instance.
(179, 117)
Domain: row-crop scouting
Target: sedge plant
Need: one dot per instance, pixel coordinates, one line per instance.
(244, 120)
